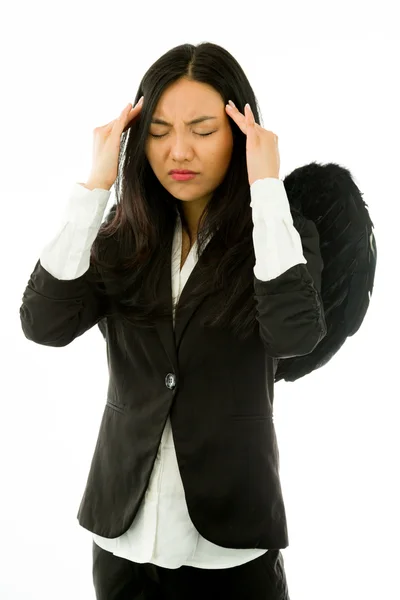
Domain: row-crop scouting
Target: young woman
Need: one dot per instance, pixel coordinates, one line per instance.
(200, 285)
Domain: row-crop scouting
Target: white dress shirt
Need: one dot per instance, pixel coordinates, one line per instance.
(162, 532)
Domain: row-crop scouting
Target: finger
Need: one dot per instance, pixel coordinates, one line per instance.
(132, 113)
(234, 112)
(236, 116)
(249, 116)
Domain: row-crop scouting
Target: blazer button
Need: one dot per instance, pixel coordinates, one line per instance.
(170, 381)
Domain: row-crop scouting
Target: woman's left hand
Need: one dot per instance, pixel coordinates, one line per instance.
(262, 154)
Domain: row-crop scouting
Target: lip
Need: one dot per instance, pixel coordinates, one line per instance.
(183, 176)
(182, 172)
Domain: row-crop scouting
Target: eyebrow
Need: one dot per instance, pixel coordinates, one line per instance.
(198, 120)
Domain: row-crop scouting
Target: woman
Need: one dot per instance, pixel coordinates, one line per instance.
(199, 285)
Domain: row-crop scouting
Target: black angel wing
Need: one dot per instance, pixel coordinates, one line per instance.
(328, 196)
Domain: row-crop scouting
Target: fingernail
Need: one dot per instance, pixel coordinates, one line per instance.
(231, 103)
(140, 100)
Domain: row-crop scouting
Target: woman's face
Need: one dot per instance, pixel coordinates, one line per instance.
(182, 145)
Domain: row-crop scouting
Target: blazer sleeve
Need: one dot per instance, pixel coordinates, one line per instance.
(290, 310)
(54, 312)
(59, 303)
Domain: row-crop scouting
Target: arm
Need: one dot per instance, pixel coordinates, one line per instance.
(287, 274)
(58, 303)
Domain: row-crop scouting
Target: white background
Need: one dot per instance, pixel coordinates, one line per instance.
(326, 78)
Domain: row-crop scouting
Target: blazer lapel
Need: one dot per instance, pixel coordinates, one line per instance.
(170, 338)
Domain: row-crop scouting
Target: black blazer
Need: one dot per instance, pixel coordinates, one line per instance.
(218, 391)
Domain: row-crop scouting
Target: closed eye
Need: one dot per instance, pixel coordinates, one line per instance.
(201, 134)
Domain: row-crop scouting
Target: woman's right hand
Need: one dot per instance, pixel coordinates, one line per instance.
(106, 146)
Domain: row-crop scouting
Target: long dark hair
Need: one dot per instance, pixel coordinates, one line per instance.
(127, 255)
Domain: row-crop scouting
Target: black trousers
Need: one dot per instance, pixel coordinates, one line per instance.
(116, 578)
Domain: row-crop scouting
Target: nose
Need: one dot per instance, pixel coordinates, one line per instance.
(181, 148)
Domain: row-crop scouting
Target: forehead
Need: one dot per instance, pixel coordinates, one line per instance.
(190, 101)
